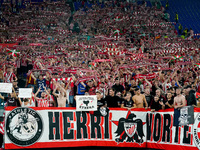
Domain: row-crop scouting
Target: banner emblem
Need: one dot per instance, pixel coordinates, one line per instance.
(24, 126)
(130, 128)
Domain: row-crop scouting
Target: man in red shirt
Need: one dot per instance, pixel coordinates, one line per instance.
(9, 76)
(44, 100)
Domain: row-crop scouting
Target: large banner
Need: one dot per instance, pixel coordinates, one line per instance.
(66, 127)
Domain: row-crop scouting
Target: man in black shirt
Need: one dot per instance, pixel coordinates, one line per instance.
(128, 102)
(101, 107)
(157, 104)
(161, 98)
(118, 87)
(100, 101)
(148, 96)
(170, 101)
(190, 97)
(112, 100)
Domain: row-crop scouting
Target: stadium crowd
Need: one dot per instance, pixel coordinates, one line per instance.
(129, 55)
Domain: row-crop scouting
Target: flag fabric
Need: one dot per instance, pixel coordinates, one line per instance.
(197, 64)
(118, 18)
(14, 52)
(178, 57)
(136, 26)
(117, 32)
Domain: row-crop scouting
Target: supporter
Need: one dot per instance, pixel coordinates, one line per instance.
(190, 96)
(61, 95)
(24, 64)
(41, 83)
(119, 94)
(9, 76)
(112, 100)
(179, 100)
(1, 75)
(103, 88)
(15, 86)
(156, 86)
(70, 89)
(111, 81)
(44, 100)
(117, 86)
(157, 104)
(48, 79)
(100, 100)
(128, 102)
(133, 85)
(172, 91)
(51, 98)
(161, 97)
(12, 99)
(29, 80)
(148, 96)
(81, 88)
(26, 102)
(170, 101)
(90, 88)
(139, 99)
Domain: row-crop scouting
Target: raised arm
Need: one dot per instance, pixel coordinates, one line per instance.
(48, 94)
(20, 101)
(33, 76)
(66, 87)
(2, 97)
(54, 91)
(148, 82)
(35, 96)
(83, 84)
(14, 92)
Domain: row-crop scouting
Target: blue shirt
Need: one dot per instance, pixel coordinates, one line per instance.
(80, 87)
(41, 84)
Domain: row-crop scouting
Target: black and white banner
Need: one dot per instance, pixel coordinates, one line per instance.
(86, 103)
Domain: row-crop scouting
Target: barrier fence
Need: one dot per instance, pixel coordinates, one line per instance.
(65, 127)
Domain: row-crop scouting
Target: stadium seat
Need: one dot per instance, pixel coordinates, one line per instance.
(188, 13)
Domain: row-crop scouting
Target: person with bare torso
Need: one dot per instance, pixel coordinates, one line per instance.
(179, 100)
(61, 95)
(139, 99)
